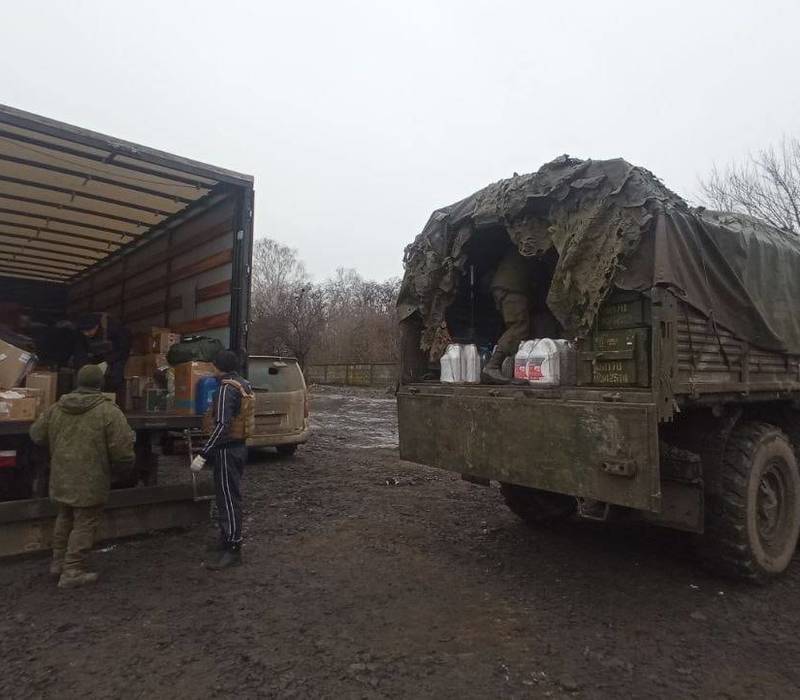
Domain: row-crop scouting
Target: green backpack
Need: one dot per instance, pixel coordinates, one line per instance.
(195, 348)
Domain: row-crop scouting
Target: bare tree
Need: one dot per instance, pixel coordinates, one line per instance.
(304, 321)
(345, 319)
(360, 325)
(767, 186)
(286, 316)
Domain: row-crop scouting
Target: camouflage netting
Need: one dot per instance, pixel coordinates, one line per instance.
(614, 224)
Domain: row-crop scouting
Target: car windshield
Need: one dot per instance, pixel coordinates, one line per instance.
(275, 375)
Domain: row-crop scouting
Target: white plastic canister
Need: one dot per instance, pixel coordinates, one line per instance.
(450, 364)
(521, 359)
(470, 364)
(543, 366)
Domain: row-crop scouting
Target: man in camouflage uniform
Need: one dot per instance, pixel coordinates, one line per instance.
(511, 287)
(86, 433)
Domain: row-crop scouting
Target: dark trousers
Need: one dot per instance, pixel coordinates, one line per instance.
(229, 462)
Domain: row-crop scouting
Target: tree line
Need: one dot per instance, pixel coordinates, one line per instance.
(346, 318)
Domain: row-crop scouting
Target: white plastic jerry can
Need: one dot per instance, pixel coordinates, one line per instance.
(450, 364)
(521, 359)
(544, 366)
(470, 364)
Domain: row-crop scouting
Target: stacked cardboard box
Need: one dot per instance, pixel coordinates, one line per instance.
(187, 375)
(47, 383)
(14, 365)
(16, 405)
(155, 341)
(145, 365)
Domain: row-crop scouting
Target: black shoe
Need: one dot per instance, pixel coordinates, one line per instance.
(226, 559)
(215, 545)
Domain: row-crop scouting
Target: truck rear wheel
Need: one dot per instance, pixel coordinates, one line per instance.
(536, 507)
(753, 505)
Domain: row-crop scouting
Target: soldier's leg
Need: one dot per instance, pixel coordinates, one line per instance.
(517, 319)
(61, 532)
(81, 539)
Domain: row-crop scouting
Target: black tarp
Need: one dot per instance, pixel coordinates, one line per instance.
(615, 224)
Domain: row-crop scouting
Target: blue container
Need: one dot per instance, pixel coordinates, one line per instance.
(204, 395)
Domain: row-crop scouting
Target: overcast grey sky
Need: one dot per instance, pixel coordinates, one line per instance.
(357, 119)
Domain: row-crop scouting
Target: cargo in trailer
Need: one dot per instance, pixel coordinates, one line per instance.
(154, 244)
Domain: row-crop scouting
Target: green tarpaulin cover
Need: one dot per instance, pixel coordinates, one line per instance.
(615, 224)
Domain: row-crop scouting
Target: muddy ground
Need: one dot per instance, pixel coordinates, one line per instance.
(427, 589)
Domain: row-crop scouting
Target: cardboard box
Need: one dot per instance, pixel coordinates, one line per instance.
(140, 344)
(47, 382)
(155, 341)
(162, 339)
(15, 406)
(187, 375)
(144, 365)
(33, 393)
(14, 365)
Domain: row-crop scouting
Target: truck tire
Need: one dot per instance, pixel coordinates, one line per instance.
(286, 450)
(536, 507)
(753, 505)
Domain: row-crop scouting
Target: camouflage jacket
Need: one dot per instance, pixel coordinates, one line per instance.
(86, 433)
(513, 274)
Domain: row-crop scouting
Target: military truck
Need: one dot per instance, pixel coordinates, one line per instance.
(685, 408)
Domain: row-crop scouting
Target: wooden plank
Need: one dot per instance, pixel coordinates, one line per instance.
(205, 236)
(204, 265)
(213, 291)
(27, 526)
(207, 323)
(153, 309)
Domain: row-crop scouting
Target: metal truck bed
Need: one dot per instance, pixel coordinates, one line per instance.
(594, 444)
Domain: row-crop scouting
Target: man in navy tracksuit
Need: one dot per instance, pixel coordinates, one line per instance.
(227, 450)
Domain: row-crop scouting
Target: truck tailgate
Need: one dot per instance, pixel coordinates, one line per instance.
(595, 449)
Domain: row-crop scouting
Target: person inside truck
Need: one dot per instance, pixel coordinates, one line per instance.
(519, 287)
(112, 346)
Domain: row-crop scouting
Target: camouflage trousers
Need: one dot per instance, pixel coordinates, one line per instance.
(73, 535)
(515, 310)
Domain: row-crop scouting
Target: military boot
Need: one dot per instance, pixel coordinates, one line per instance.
(493, 372)
(75, 579)
(226, 559)
(57, 564)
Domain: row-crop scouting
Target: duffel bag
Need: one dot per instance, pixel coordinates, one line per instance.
(196, 348)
